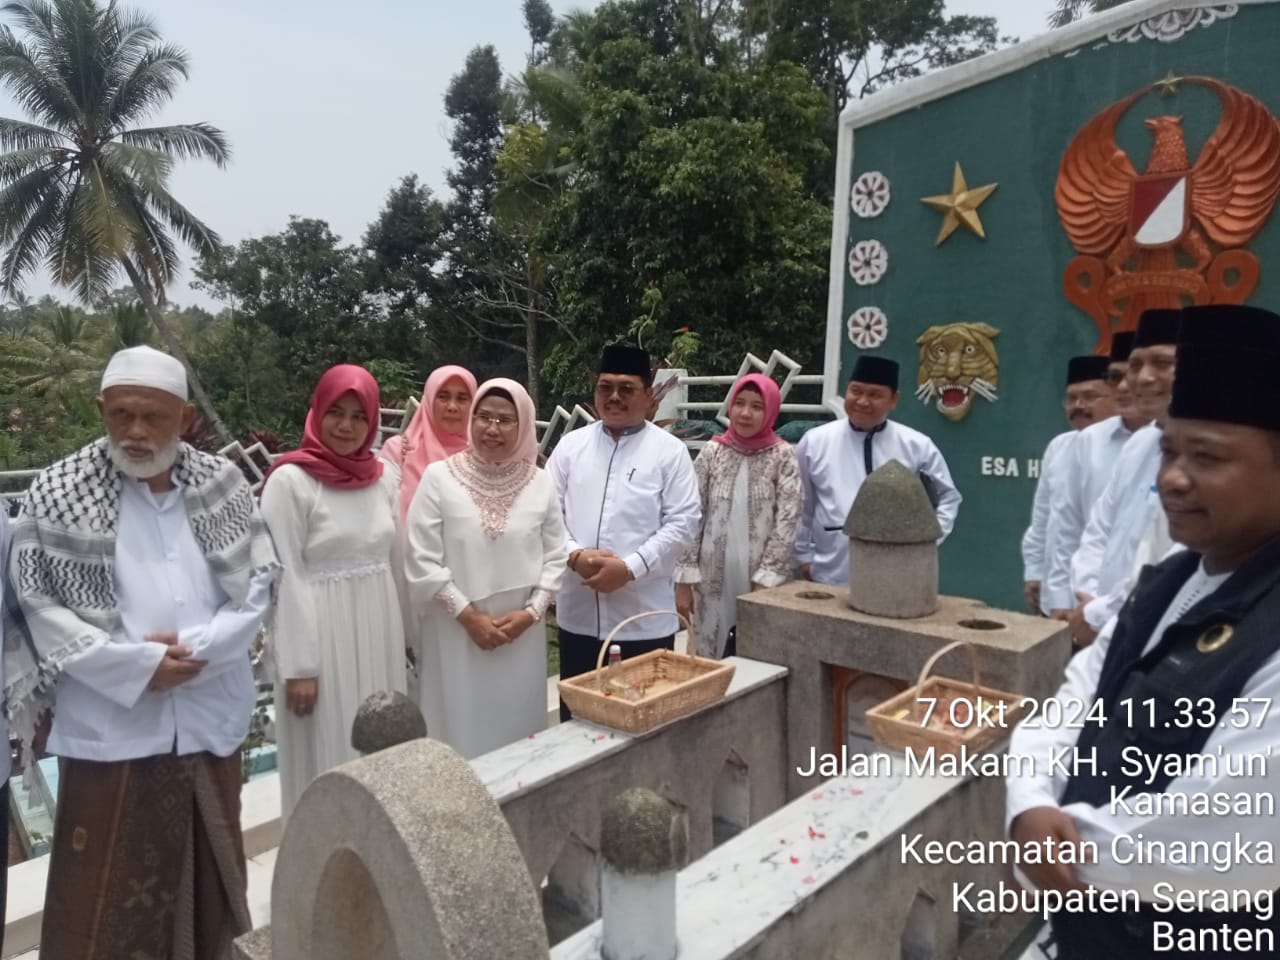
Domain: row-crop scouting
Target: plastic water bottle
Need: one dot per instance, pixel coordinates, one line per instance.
(613, 672)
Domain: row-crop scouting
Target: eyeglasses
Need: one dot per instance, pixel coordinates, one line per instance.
(502, 423)
(623, 390)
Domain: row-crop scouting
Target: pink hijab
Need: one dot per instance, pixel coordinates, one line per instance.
(362, 468)
(766, 438)
(526, 448)
(422, 443)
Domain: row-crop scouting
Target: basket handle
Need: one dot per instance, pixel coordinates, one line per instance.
(635, 616)
(973, 663)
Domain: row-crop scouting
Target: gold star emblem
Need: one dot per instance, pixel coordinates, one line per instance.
(1169, 85)
(960, 206)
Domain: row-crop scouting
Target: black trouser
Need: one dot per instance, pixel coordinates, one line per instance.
(578, 653)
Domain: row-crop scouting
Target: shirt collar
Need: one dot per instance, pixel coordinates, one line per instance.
(628, 432)
(160, 501)
(874, 430)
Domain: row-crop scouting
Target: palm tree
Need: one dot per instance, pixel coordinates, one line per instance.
(1069, 11)
(59, 359)
(129, 327)
(83, 191)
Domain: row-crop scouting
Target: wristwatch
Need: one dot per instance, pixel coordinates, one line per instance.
(533, 613)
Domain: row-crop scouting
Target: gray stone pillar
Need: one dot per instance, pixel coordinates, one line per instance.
(893, 545)
(645, 842)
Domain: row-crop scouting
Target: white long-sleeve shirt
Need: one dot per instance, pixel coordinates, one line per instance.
(5, 759)
(1104, 564)
(1085, 472)
(637, 496)
(1045, 530)
(1101, 825)
(103, 709)
(832, 469)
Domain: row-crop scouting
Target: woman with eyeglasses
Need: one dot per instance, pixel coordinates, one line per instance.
(752, 496)
(486, 554)
(335, 634)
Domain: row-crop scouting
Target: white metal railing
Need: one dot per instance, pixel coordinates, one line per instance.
(256, 459)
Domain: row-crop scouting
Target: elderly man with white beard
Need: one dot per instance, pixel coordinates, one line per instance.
(143, 572)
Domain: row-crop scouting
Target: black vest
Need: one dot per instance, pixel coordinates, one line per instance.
(1248, 604)
(1185, 663)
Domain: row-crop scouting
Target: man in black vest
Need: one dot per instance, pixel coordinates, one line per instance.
(1187, 670)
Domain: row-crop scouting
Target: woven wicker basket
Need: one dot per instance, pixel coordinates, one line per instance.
(898, 723)
(676, 685)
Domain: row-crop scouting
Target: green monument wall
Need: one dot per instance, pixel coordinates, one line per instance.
(1013, 131)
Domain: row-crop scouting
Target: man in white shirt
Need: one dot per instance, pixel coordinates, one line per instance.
(1088, 400)
(5, 759)
(1085, 471)
(143, 572)
(1102, 568)
(837, 457)
(1189, 669)
(631, 507)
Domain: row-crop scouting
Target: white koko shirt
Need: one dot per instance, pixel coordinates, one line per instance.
(1086, 469)
(636, 495)
(1045, 530)
(103, 709)
(1104, 565)
(833, 467)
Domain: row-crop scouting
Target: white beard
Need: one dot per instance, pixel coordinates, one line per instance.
(160, 461)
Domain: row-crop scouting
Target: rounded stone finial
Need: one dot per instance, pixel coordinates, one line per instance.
(643, 833)
(892, 507)
(385, 719)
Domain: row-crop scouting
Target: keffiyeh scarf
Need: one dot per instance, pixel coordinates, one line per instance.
(63, 554)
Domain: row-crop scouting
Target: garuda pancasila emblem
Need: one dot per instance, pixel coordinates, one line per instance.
(1148, 239)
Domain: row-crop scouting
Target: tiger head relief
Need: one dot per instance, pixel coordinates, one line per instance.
(958, 361)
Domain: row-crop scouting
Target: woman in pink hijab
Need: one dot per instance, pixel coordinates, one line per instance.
(438, 429)
(335, 634)
(486, 554)
(751, 501)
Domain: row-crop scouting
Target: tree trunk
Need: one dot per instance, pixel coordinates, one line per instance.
(531, 339)
(175, 347)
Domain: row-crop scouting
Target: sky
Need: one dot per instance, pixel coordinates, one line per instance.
(328, 104)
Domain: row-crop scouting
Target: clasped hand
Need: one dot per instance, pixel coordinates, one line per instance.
(602, 570)
(176, 666)
(488, 632)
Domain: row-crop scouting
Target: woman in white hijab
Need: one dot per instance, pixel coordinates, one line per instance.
(486, 555)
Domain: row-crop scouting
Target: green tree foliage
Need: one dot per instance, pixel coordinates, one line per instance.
(84, 188)
(851, 48)
(659, 171)
(1069, 11)
(482, 310)
(299, 303)
(693, 199)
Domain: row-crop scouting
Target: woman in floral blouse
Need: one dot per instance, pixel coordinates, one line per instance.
(751, 500)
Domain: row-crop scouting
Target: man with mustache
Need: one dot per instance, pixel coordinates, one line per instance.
(1103, 566)
(837, 457)
(1199, 629)
(1088, 400)
(631, 507)
(1086, 467)
(143, 572)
